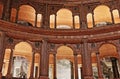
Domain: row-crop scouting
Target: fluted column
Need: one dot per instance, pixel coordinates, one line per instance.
(73, 21)
(55, 21)
(32, 66)
(115, 67)
(9, 74)
(36, 19)
(93, 20)
(44, 61)
(76, 66)
(2, 51)
(112, 17)
(54, 72)
(86, 60)
(100, 76)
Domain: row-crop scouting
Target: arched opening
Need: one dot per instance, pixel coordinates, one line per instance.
(80, 72)
(116, 16)
(52, 21)
(109, 61)
(64, 17)
(64, 56)
(94, 65)
(51, 66)
(102, 14)
(39, 20)
(6, 62)
(27, 13)
(77, 22)
(36, 65)
(89, 20)
(24, 49)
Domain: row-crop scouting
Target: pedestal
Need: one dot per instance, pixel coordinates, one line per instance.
(43, 77)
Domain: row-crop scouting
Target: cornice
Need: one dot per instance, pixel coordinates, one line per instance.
(60, 36)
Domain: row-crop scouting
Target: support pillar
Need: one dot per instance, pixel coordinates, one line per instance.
(36, 72)
(93, 20)
(81, 72)
(32, 66)
(9, 74)
(115, 67)
(44, 61)
(100, 76)
(2, 51)
(72, 71)
(76, 66)
(36, 19)
(55, 21)
(112, 17)
(79, 22)
(86, 60)
(54, 73)
(73, 22)
(7, 11)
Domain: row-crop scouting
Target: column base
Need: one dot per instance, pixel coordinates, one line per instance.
(0, 75)
(43, 77)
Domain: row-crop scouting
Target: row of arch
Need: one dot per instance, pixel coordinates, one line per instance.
(60, 53)
(64, 17)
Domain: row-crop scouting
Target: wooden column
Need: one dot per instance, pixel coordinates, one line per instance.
(76, 66)
(36, 19)
(73, 21)
(32, 66)
(112, 17)
(44, 61)
(16, 18)
(86, 60)
(54, 72)
(93, 20)
(9, 74)
(115, 67)
(55, 21)
(2, 51)
(100, 76)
